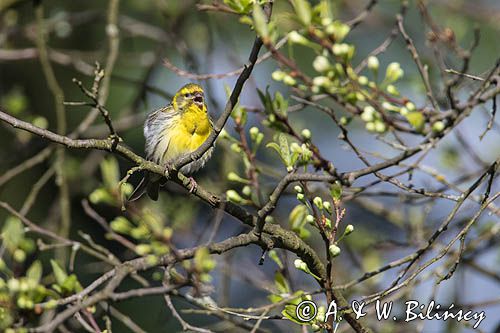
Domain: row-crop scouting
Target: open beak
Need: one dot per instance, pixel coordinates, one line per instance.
(198, 97)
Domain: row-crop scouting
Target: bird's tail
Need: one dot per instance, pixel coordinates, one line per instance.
(148, 185)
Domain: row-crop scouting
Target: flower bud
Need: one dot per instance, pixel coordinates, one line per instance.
(300, 197)
(321, 64)
(334, 250)
(246, 190)
(380, 127)
(13, 285)
(121, 225)
(299, 264)
(234, 177)
(19, 255)
(370, 126)
(327, 206)
(390, 107)
(278, 75)
(142, 249)
(410, 106)
(295, 148)
(289, 81)
(253, 132)
(326, 21)
(23, 285)
(306, 152)
(295, 37)
(363, 80)
(373, 63)
(340, 49)
(259, 138)
(348, 230)
(438, 126)
(236, 148)
(298, 189)
(321, 81)
(306, 134)
(269, 219)
(233, 196)
(391, 89)
(310, 218)
(338, 30)
(394, 72)
(167, 233)
(318, 202)
(368, 114)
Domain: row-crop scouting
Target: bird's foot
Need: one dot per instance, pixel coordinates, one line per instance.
(193, 185)
(166, 171)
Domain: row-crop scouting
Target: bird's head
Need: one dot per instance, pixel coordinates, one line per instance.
(189, 95)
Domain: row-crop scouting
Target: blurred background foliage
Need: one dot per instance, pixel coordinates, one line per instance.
(207, 42)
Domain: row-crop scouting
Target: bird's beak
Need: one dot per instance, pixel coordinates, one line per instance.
(198, 97)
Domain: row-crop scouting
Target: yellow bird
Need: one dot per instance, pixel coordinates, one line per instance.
(175, 130)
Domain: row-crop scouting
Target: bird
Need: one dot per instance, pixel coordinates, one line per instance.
(173, 131)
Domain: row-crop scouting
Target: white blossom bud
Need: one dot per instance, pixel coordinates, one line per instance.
(318, 202)
(394, 72)
(299, 264)
(297, 38)
(334, 250)
(233, 196)
(306, 134)
(368, 113)
(349, 229)
(438, 126)
(321, 64)
(373, 63)
(278, 75)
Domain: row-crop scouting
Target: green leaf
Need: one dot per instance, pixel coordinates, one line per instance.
(12, 233)
(274, 146)
(275, 298)
(304, 233)
(203, 261)
(71, 285)
(281, 283)
(260, 21)
(336, 190)
(110, 172)
(266, 100)
(59, 273)
(417, 120)
(297, 217)
(15, 101)
(34, 273)
(280, 104)
(121, 225)
(289, 313)
(284, 149)
(274, 256)
(303, 10)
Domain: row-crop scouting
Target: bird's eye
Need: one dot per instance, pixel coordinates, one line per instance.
(187, 94)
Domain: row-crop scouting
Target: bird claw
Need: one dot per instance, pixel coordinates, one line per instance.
(166, 172)
(193, 185)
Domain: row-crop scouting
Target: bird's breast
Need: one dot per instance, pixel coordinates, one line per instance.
(186, 135)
